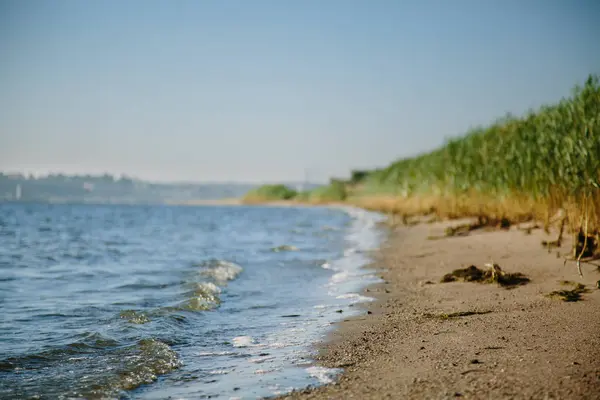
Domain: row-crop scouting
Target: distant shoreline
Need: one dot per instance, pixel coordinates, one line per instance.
(211, 202)
(241, 202)
(190, 203)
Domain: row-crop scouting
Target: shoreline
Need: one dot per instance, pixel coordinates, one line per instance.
(426, 339)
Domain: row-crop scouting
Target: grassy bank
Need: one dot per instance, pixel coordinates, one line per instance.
(532, 165)
(544, 166)
(268, 193)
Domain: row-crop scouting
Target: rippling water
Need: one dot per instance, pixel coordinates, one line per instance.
(184, 302)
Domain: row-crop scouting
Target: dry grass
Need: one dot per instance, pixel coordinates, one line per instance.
(471, 205)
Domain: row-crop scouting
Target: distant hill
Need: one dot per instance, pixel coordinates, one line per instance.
(110, 189)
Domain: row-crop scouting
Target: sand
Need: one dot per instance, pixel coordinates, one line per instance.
(523, 345)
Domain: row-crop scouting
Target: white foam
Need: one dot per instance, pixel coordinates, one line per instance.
(362, 237)
(323, 375)
(208, 287)
(214, 353)
(327, 265)
(263, 371)
(260, 360)
(355, 296)
(278, 345)
(242, 341)
(223, 271)
(219, 372)
(340, 277)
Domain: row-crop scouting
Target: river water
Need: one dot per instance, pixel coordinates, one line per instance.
(156, 302)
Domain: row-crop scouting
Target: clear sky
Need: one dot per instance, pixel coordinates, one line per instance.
(262, 90)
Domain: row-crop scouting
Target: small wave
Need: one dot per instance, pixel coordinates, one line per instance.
(215, 353)
(91, 341)
(220, 270)
(326, 265)
(278, 345)
(355, 296)
(263, 371)
(150, 359)
(93, 367)
(340, 277)
(261, 359)
(87, 343)
(204, 297)
(323, 375)
(135, 317)
(242, 341)
(219, 372)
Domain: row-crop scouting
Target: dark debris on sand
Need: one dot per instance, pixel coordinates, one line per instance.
(493, 274)
(482, 222)
(569, 295)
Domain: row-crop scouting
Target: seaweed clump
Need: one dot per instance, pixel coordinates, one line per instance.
(493, 274)
(569, 295)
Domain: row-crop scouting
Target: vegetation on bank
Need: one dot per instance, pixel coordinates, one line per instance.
(544, 165)
(335, 192)
(270, 193)
(548, 158)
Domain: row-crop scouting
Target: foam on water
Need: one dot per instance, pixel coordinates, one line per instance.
(214, 353)
(358, 298)
(242, 341)
(323, 375)
(205, 295)
(348, 277)
(326, 265)
(221, 270)
(339, 277)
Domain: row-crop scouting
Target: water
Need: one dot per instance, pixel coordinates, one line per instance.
(155, 302)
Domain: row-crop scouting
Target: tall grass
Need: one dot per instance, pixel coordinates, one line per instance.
(529, 166)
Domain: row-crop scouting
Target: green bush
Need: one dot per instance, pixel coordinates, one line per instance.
(358, 176)
(303, 196)
(335, 191)
(270, 193)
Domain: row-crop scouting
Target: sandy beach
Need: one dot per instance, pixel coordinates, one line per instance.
(423, 339)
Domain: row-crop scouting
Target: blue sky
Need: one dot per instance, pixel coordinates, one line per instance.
(264, 90)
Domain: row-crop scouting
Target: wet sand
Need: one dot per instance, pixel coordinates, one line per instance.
(519, 344)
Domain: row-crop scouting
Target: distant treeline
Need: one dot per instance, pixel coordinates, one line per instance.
(110, 189)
